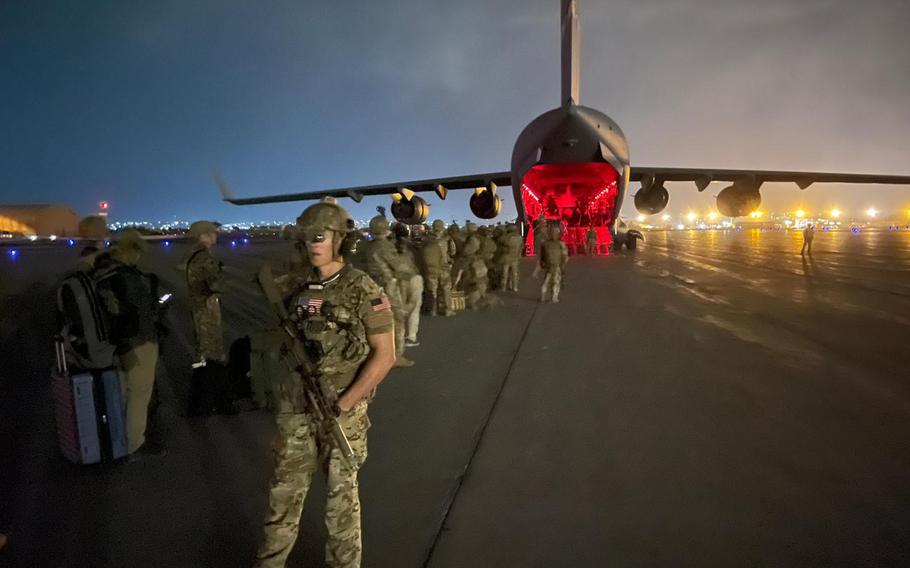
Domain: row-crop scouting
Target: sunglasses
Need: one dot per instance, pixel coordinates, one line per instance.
(314, 237)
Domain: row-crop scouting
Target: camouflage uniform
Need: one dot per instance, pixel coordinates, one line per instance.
(335, 318)
(205, 282)
(437, 255)
(509, 253)
(553, 258)
(591, 242)
(473, 269)
(487, 253)
(386, 266)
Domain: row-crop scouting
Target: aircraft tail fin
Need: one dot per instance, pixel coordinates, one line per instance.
(571, 52)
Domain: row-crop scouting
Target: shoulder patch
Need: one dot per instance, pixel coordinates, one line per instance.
(381, 303)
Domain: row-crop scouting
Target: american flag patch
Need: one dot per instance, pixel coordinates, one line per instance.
(381, 303)
(310, 305)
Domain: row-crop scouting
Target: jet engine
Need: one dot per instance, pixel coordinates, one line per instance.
(485, 204)
(652, 198)
(738, 200)
(408, 208)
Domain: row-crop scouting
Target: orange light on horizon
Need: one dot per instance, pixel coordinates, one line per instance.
(871, 212)
(691, 216)
(835, 213)
(800, 213)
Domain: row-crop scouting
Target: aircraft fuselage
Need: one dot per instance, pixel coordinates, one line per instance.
(571, 166)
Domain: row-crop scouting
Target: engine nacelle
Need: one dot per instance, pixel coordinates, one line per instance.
(652, 199)
(485, 204)
(409, 208)
(738, 201)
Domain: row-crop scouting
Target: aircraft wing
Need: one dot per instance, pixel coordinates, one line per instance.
(702, 177)
(357, 193)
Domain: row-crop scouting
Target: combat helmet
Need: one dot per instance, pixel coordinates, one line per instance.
(200, 228)
(93, 227)
(379, 226)
(324, 216)
(470, 227)
(439, 226)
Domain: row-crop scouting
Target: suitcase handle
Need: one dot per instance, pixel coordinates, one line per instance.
(60, 352)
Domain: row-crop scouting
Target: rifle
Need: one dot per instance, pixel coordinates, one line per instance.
(321, 396)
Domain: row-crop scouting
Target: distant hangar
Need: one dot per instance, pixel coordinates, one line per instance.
(39, 219)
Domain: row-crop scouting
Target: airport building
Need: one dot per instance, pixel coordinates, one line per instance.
(39, 219)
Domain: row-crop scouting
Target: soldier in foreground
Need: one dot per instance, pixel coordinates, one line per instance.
(345, 321)
(205, 283)
(553, 258)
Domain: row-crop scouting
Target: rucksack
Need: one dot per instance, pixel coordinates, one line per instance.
(83, 327)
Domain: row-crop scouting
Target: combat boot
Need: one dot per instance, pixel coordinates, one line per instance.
(402, 361)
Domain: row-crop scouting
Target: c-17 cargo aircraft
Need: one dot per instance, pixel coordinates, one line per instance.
(571, 165)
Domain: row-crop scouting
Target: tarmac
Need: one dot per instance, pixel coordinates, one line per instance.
(714, 399)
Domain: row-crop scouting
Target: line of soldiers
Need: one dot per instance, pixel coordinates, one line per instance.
(357, 322)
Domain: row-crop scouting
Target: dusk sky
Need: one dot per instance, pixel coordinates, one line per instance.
(138, 102)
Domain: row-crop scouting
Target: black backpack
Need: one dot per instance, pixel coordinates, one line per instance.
(83, 326)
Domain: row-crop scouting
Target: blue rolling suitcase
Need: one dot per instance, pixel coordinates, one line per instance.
(91, 416)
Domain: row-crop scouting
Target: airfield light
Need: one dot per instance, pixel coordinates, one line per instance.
(712, 215)
(13, 254)
(871, 212)
(167, 243)
(233, 243)
(70, 243)
(788, 222)
(800, 213)
(666, 217)
(640, 218)
(53, 237)
(33, 238)
(680, 227)
(756, 214)
(835, 213)
(691, 216)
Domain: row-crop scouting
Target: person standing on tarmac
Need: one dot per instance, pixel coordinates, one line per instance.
(591, 242)
(93, 229)
(437, 256)
(509, 254)
(205, 284)
(387, 269)
(808, 235)
(413, 288)
(357, 343)
(130, 299)
(553, 258)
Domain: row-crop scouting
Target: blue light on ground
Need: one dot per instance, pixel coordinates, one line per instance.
(13, 254)
(855, 230)
(246, 241)
(233, 244)
(167, 244)
(70, 243)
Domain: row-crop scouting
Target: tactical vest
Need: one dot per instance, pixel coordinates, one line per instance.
(330, 327)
